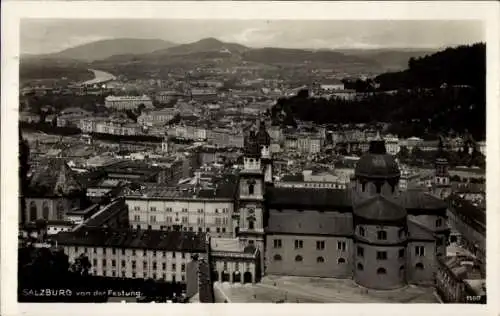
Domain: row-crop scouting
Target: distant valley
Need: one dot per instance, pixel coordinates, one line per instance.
(108, 54)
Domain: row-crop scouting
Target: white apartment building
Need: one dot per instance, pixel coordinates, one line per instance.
(151, 118)
(165, 208)
(114, 128)
(140, 254)
(127, 102)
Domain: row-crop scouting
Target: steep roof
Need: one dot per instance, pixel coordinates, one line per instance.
(306, 222)
(415, 199)
(419, 232)
(139, 239)
(380, 208)
(53, 177)
(308, 198)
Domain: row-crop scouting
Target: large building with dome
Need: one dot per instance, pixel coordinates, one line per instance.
(373, 233)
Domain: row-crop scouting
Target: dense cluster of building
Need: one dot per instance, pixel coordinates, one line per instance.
(223, 197)
(376, 222)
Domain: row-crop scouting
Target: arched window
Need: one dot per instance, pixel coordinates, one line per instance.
(381, 235)
(298, 258)
(419, 266)
(277, 258)
(361, 231)
(381, 271)
(320, 260)
(341, 261)
(45, 210)
(60, 211)
(250, 224)
(33, 211)
(360, 267)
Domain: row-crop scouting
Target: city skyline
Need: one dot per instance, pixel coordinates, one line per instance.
(42, 36)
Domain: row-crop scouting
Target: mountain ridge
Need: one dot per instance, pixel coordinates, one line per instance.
(106, 48)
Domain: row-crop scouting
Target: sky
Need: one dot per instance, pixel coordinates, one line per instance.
(52, 35)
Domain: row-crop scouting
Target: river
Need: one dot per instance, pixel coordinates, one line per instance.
(99, 77)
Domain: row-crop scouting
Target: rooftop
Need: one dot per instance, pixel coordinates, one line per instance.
(304, 222)
(135, 239)
(308, 198)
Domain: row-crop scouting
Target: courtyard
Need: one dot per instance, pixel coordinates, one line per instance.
(289, 289)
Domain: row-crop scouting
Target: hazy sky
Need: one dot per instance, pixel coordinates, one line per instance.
(44, 36)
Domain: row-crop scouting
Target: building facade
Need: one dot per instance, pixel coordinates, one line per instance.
(142, 254)
(127, 102)
(168, 209)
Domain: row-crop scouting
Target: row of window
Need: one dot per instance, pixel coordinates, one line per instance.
(154, 276)
(184, 220)
(382, 255)
(185, 229)
(320, 244)
(381, 234)
(183, 210)
(299, 258)
(236, 266)
(418, 266)
(154, 253)
(144, 264)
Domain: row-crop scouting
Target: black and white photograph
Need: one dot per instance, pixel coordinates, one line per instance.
(251, 161)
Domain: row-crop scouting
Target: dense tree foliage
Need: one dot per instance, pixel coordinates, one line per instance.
(462, 65)
(59, 102)
(425, 108)
(35, 71)
(24, 167)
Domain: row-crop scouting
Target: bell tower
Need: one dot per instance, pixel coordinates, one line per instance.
(264, 142)
(249, 221)
(442, 176)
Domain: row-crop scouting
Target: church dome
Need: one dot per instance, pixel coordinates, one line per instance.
(263, 138)
(377, 163)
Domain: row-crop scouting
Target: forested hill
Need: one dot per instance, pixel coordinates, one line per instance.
(422, 107)
(462, 65)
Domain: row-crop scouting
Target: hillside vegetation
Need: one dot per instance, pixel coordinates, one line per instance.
(423, 106)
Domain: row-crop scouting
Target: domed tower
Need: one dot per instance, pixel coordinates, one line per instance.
(380, 224)
(264, 142)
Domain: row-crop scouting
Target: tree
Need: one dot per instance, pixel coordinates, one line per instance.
(81, 266)
(24, 152)
(303, 94)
